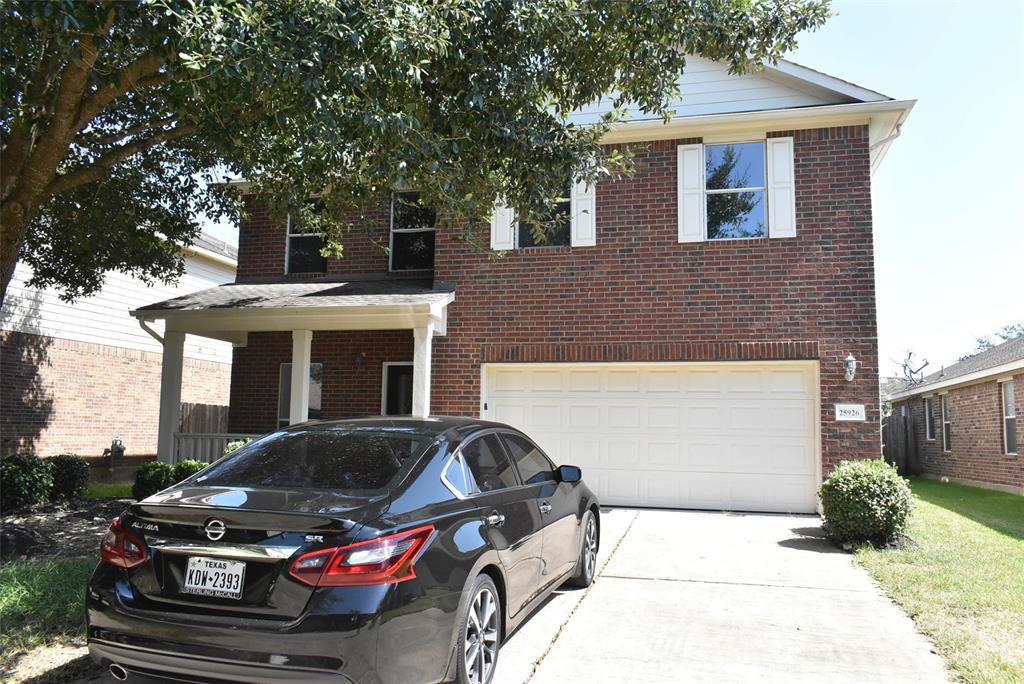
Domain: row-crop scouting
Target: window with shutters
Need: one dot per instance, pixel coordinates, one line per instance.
(734, 186)
(552, 231)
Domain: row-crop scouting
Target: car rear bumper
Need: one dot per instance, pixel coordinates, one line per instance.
(152, 663)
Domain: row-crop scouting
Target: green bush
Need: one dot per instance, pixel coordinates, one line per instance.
(25, 479)
(70, 477)
(865, 501)
(151, 477)
(188, 468)
(236, 444)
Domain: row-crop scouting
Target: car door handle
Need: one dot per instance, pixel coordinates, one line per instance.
(545, 507)
(495, 519)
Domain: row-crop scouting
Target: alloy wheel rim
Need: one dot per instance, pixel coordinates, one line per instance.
(590, 548)
(481, 648)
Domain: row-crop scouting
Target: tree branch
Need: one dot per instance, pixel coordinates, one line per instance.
(100, 169)
(144, 69)
(90, 140)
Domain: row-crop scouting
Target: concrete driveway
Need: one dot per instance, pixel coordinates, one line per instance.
(686, 596)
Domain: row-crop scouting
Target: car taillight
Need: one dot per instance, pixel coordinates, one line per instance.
(122, 548)
(379, 561)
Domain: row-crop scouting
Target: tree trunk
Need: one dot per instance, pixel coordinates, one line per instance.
(14, 222)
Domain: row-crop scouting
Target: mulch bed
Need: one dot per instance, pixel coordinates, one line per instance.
(58, 530)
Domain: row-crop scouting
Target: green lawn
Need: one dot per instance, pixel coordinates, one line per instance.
(109, 490)
(40, 600)
(964, 585)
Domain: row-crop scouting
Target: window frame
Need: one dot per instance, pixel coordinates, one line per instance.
(284, 422)
(467, 473)
(289, 234)
(547, 245)
(1006, 417)
(947, 424)
(392, 230)
(732, 191)
(929, 419)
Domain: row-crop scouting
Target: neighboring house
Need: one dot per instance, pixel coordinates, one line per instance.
(75, 376)
(964, 419)
(684, 344)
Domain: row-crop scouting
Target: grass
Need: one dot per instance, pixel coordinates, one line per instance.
(40, 601)
(109, 490)
(964, 584)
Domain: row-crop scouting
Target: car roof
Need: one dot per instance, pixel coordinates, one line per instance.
(457, 427)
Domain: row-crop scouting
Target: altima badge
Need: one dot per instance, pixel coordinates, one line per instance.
(215, 529)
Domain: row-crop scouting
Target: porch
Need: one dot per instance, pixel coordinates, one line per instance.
(235, 312)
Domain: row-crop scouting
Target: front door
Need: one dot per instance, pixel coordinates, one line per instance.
(397, 399)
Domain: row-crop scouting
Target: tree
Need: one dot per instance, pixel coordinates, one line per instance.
(116, 114)
(1004, 334)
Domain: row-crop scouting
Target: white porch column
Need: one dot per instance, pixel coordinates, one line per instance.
(298, 410)
(170, 394)
(424, 338)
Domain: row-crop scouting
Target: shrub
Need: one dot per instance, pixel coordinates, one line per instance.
(865, 501)
(70, 477)
(236, 444)
(188, 468)
(25, 479)
(151, 477)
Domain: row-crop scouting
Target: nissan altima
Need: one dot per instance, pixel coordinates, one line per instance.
(371, 551)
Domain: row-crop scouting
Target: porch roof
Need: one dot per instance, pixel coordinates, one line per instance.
(229, 311)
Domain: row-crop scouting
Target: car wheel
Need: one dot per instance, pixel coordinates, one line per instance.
(481, 634)
(586, 566)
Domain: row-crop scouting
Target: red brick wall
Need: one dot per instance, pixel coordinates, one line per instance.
(60, 396)
(348, 389)
(640, 294)
(262, 244)
(978, 452)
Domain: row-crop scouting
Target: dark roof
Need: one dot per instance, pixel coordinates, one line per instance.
(305, 295)
(212, 244)
(999, 355)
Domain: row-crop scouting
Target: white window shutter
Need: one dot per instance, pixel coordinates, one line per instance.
(690, 171)
(503, 234)
(583, 215)
(781, 189)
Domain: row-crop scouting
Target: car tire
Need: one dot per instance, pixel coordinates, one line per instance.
(586, 564)
(480, 634)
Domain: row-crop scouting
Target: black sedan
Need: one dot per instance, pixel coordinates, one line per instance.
(365, 551)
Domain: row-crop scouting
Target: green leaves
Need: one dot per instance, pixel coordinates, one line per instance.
(465, 100)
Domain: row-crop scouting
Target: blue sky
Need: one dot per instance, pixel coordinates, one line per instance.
(949, 223)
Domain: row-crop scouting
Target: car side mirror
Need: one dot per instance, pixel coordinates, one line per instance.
(568, 473)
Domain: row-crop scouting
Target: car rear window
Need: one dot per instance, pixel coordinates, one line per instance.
(351, 460)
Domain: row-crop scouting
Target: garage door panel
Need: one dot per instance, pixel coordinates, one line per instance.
(733, 436)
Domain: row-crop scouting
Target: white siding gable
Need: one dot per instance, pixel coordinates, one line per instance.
(709, 88)
(103, 318)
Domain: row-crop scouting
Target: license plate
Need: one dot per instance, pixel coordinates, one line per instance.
(214, 577)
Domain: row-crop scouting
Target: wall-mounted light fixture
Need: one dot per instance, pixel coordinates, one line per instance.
(360, 360)
(850, 364)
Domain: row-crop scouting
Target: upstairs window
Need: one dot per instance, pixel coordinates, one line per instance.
(1009, 417)
(734, 181)
(947, 425)
(556, 225)
(413, 230)
(304, 249)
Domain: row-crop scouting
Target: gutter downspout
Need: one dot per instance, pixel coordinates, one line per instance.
(883, 141)
(153, 333)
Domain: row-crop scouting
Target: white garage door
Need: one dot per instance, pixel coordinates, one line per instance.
(733, 436)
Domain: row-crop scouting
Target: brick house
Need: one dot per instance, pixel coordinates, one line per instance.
(964, 419)
(683, 337)
(77, 375)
